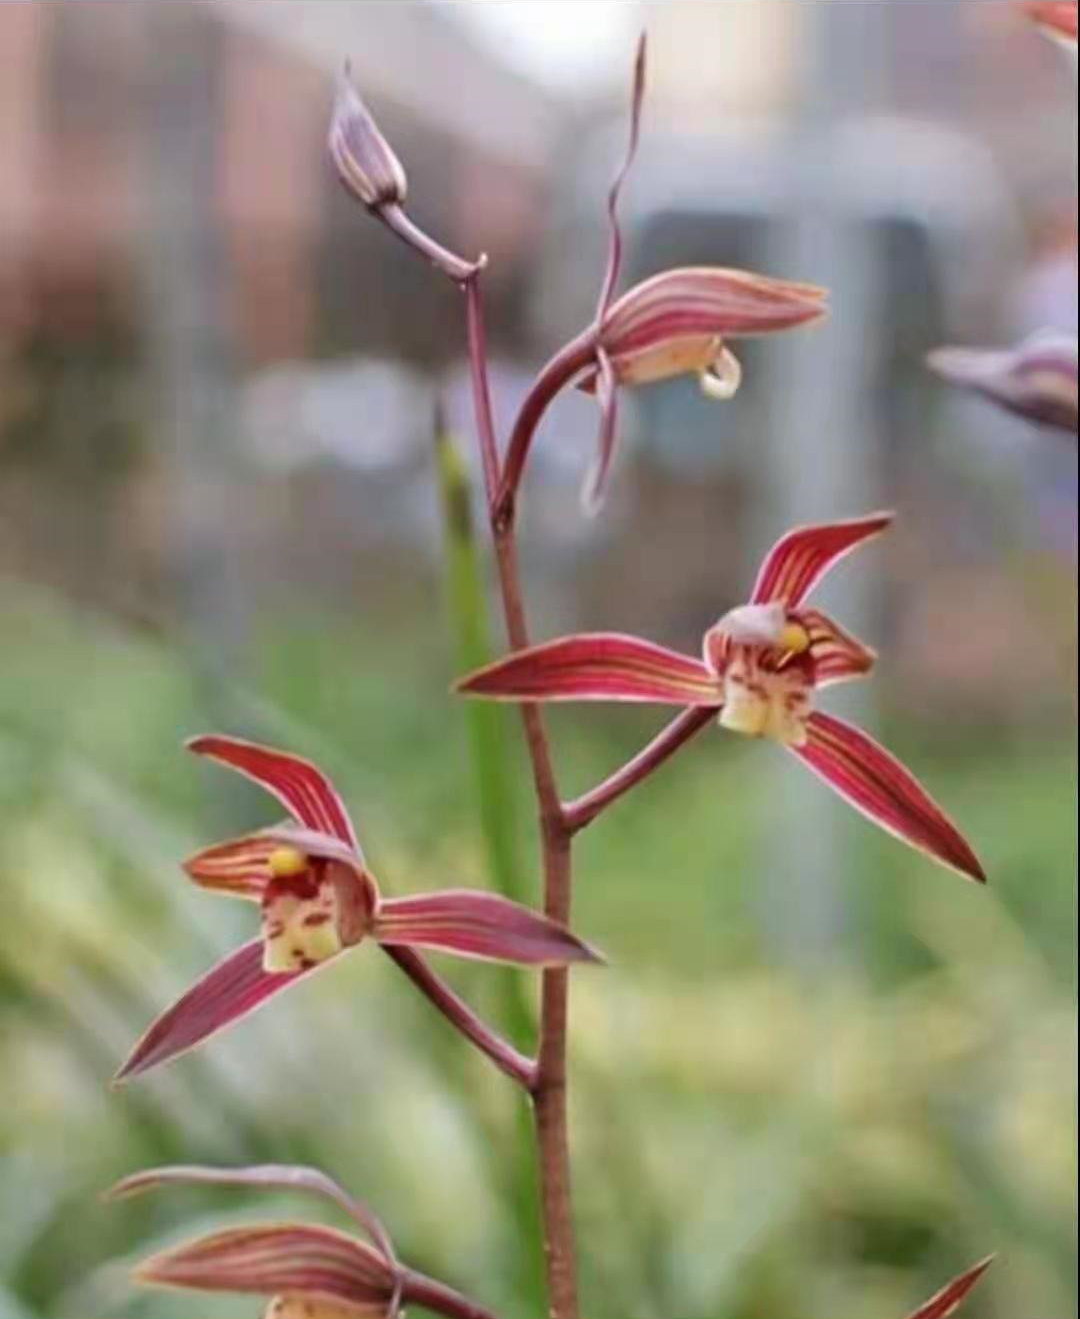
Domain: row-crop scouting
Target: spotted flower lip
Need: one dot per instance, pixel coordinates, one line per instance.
(307, 1271)
(761, 667)
(1036, 380)
(947, 1301)
(318, 899)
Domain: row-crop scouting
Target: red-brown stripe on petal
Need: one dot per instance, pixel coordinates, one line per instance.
(274, 1258)
(799, 560)
(301, 787)
(239, 867)
(838, 656)
(876, 784)
(707, 300)
(478, 925)
(1057, 18)
(947, 1301)
(275, 1176)
(231, 990)
(597, 666)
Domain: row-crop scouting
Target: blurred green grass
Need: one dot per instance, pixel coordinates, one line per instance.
(755, 1139)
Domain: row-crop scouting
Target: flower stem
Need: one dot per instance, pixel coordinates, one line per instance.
(426, 1293)
(682, 728)
(454, 1008)
(549, 1083)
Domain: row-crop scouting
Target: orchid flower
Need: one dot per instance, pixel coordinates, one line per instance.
(763, 664)
(678, 322)
(1035, 380)
(948, 1300)
(307, 1271)
(318, 899)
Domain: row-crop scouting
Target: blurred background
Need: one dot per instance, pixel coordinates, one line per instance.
(820, 1076)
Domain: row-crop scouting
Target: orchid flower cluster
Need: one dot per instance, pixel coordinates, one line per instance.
(760, 671)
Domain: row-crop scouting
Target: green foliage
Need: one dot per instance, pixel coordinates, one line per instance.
(751, 1139)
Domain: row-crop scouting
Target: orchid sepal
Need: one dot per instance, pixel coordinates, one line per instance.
(947, 1301)
(596, 666)
(873, 781)
(480, 926)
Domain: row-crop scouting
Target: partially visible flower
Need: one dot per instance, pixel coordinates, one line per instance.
(763, 664)
(306, 1270)
(680, 322)
(1036, 380)
(947, 1301)
(365, 161)
(1057, 18)
(318, 899)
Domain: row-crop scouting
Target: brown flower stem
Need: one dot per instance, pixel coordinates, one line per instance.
(549, 1082)
(456, 267)
(577, 814)
(430, 1295)
(554, 377)
(462, 1017)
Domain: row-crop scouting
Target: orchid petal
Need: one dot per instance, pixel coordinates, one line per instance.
(706, 300)
(799, 560)
(230, 991)
(300, 786)
(240, 867)
(1036, 380)
(948, 1300)
(597, 666)
(837, 655)
(481, 926)
(272, 1259)
(272, 1176)
(878, 786)
(595, 487)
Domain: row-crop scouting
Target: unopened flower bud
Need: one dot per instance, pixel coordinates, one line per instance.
(365, 161)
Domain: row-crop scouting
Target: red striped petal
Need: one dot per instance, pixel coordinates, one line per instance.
(240, 866)
(318, 1263)
(875, 783)
(597, 666)
(837, 655)
(1057, 18)
(799, 560)
(274, 1176)
(687, 301)
(302, 789)
(479, 925)
(947, 1301)
(231, 990)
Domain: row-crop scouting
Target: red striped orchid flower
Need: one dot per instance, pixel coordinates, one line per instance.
(318, 899)
(677, 322)
(948, 1300)
(306, 1270)
(763, 664)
